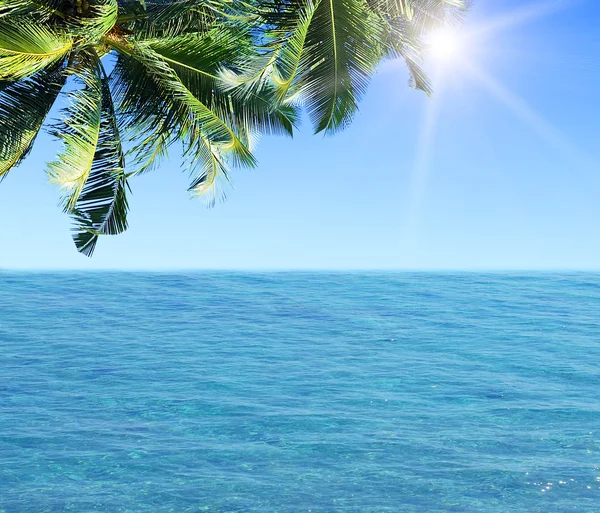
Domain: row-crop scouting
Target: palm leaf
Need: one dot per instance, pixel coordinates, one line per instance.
(170, 18)
(278, 65)
(199, 60)
(26, 48)
(148, 120)
(80, 133)
(8, 7)
(401, 40)
(90, 168)
(209, 171)
(203, 53)
(202, 130)
(99, 20)
(131, 9)
(42, 9)
(342, 48)
(24, 106)
(292, 50)
(102, 206)
(209, 138)
(424, 15)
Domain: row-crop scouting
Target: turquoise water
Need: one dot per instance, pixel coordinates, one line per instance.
(301, 392)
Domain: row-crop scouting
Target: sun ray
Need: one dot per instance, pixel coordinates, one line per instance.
(422, 167)
(519, 107)
(450, 51)
(519, 16)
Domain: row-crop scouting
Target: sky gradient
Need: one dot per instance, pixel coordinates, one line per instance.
(499, 170)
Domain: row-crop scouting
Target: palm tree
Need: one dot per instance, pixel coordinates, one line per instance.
(141, 75)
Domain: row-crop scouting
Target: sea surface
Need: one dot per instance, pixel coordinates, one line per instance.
(299, 392)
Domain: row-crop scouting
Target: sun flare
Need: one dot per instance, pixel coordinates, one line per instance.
(454, 56)
(444, 45)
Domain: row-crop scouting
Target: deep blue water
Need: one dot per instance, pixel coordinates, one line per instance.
(353, 393)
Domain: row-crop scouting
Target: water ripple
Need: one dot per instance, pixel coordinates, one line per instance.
(299, 392)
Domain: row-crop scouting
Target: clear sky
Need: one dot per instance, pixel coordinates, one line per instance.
(500, 170)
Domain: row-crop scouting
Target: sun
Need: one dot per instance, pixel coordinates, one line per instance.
(447, 50)
(444, 45)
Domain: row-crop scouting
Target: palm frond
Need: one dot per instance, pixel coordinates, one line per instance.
(90, 168)
(199, 59)
(194, 119)
(262, 113)
(424, 15)
(99, 20)
(209, 138)
(402, 41)
(24, 106)
(79, 131)
(130, 10)
(209, 171)
(204, 51)
(251, 75)
(8, 7)
(148, 120)
(171, 18)
(276, 64)
(291, 48)
(26, 47)
(102, 206)
(42, 9)
(342, 47)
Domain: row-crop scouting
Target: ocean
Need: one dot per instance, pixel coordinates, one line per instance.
(299, 392)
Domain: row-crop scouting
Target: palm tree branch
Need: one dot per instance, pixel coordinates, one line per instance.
(26, 48)
(207, 137)
(293, 48)
(102, 206)
(80, 132)
(24, 106)
(335, 58)
(201, 120)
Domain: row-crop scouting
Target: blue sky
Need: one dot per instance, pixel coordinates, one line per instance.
(507, 178)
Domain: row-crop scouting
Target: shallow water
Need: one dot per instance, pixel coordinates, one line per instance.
(298, 392)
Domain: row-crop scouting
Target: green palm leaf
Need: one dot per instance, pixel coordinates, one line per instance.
(98, 21)
(423, 15)
(208, 139)
(342, 49)
(171, 18)
(278, 66)
(14, 7)
(206, 131)
(291, 53)
(102, 206)
(147, 119)
(202, 53)
(199, 60)
(90, 169)
(324, 52)
(131, 9)
(80, 133)
(209, 171)
(43, 9)
(26, 48)
(24, 106)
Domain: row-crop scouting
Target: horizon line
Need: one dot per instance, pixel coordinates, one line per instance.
(172, 270)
